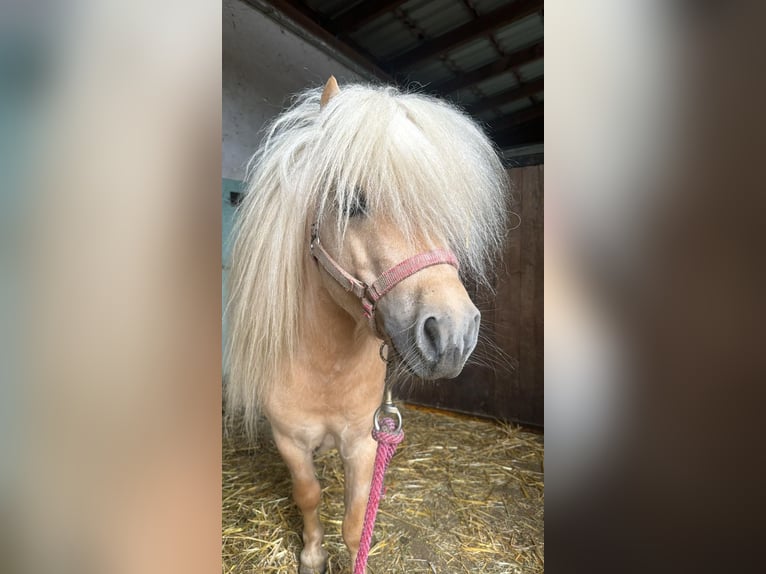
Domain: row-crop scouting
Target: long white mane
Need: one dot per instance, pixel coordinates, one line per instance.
(417, 159)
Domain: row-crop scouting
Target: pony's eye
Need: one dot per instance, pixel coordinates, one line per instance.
(358, 205)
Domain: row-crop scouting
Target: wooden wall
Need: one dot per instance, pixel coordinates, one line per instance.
(512, 324)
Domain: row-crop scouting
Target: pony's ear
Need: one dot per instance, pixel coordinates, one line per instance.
(331, 90)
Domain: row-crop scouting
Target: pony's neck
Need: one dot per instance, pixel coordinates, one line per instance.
(330, 330)
(337, 358)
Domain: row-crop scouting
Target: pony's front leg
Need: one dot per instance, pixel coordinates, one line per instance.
(358, 456)
(306, 493)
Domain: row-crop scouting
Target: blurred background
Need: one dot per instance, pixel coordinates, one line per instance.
(652, 274)
(110, 311)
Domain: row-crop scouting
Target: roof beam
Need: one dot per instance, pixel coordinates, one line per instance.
(518, 118)
(513, 60)
(364, 12)
(463, 34)
(522, 91)
(309, 25)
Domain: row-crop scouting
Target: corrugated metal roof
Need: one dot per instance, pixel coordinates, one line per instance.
(385, 37)
(515, 106)
(432, 71)
(473, 55)
(497, 84)
(531, 71)
(520, 34)
(466, 97)
(437, 17)
(453, 47)
(484, 6)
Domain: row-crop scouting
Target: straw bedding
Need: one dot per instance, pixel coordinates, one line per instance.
(463, 495)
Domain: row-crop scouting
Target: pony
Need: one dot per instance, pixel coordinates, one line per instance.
(345, 185)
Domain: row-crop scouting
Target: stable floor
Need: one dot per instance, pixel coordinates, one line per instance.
(462, 495)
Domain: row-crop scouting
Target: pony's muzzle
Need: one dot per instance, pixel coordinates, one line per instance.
(446, 340)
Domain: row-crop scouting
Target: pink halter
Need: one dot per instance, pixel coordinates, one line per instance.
(369, 295)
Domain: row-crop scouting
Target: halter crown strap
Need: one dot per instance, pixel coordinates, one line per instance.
(370, 295)
(346, 280)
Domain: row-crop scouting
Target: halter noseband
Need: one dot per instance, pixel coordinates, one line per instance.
(369, 295)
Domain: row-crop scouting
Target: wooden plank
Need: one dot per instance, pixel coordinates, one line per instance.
(508, 305)
(528, 400)
(522, 91)
(455, 38)
(512, 60)
(538, 396)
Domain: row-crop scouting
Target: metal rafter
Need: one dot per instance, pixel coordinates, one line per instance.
(363, 13)
(459, 36)
(522, 91)
(318, 26)
(513, 60)
(522, 127)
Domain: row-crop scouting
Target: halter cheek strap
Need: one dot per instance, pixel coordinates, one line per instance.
(369, 295)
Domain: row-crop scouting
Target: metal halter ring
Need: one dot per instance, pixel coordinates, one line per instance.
(387, 409)
(383, 357)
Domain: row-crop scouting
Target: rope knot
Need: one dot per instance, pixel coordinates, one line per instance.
(388, 434)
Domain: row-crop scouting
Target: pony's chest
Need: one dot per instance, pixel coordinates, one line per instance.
(329, 394)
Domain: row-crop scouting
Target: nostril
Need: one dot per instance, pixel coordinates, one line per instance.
(472, 332)
(431, 337)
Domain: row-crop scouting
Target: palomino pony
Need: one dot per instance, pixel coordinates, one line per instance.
(361, 206)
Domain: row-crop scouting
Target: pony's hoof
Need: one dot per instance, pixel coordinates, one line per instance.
(309, 570)
(313, 563)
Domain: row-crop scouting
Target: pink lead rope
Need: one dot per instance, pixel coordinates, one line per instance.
(389, 435)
